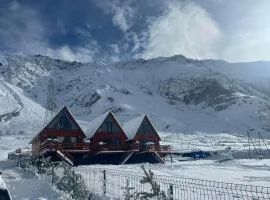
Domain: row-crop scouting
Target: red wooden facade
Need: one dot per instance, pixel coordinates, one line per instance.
(104, 134)
(62, 129)
(142, 134)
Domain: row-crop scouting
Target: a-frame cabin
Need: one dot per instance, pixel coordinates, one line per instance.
(143, 136)
(107, 141)
(105, 133)
(140, 131)
(61, 133)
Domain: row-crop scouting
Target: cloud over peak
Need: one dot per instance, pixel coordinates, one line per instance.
(90, 30)
(184, 28)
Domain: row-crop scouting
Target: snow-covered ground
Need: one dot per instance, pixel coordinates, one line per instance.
(23, 185)
(250, 172)
(212, 142)
(9, 143)
(215, 100)
(178, 141)
(239, 171)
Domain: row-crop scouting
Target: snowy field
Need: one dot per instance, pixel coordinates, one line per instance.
(211, 142)
(24, 185)
(190, 180)
(250, 172)
(178, 141)
(239, 171)
(9, 143)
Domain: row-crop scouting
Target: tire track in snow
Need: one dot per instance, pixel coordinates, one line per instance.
(9, 115)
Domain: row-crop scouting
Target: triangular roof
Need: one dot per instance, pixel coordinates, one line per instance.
(97, 122)
(3, 186)
(131, 127)
(61, 111)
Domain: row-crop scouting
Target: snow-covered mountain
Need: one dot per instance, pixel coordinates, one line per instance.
(179, 94)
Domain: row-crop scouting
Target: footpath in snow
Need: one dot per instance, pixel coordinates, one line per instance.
(24, 185)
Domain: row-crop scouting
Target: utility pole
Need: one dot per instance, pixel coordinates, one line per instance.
(248, 134)
(260, 153)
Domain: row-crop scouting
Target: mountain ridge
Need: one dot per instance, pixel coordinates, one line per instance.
(179, 94)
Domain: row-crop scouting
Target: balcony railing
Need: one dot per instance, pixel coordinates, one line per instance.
(108, 147)
(52, 145)
(83, 146)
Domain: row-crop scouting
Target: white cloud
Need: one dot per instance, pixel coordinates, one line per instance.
(236, 32)
(229, 30)
(30, 37)
(122, 12)
(185, 29)
(21, 30)
(66, 53)
(14, 5)
(247, 46)
(121, 17)
(248, 38)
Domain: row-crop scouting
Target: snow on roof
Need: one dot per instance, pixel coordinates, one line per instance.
(63, 109)
(2, 184)
(131, 127)
(95, 124)
(55, 115)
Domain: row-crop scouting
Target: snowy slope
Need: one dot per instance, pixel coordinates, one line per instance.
(178, 94)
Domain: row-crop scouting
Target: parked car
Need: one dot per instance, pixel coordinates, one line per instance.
(4, 193)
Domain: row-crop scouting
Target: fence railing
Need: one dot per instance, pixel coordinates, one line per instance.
(118, 184)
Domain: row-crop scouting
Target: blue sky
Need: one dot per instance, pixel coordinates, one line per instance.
(113, 30)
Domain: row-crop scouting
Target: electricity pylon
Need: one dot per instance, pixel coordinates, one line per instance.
(50, 105)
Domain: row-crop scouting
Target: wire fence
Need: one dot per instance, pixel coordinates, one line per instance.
(122, 184)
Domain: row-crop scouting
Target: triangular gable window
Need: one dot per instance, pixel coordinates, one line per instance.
(145, 128)
(109, 126)
(62, 121)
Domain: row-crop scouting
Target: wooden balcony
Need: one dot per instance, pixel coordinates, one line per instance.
(54, 146)
(108, 147)
(93, 148)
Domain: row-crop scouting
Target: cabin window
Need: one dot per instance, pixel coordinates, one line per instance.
(73, 139)
(67, 139)
(109, 126)
(145, 128)
(60, 139)
(62, 122)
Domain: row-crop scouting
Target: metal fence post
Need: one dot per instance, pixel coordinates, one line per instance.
(171, 156)
(171, 192)
(127, 196)
(52, 175)
(104, 182)
(177, 187)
